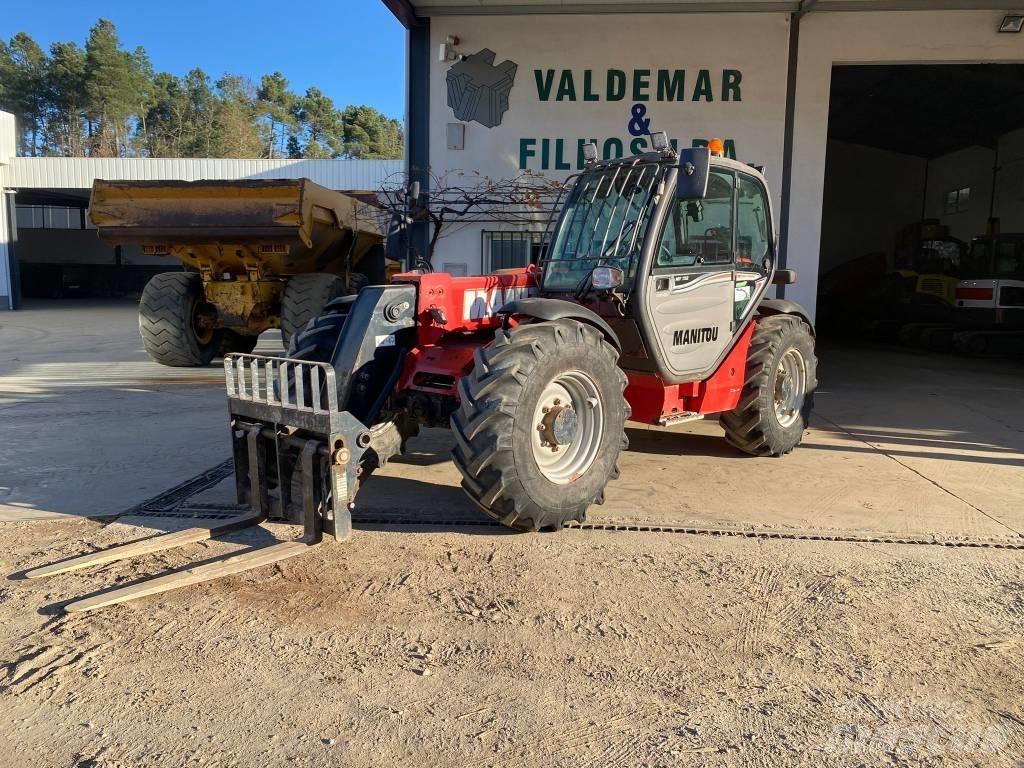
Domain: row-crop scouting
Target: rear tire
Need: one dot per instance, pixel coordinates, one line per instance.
(305, 297)
(507, 468)
(772, 415)
(169, 310)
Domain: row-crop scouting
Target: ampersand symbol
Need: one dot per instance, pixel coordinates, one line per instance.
(638, 125)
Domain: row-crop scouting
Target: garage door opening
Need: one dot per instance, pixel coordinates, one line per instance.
(60, 256)
(923, 210)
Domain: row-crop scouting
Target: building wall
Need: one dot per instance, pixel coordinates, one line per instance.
(862, 213)
(969, 167)
(752, 114)
(924, 37)
(1010, 183)
(7, 150)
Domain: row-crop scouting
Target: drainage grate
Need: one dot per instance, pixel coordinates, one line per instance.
(173, 504)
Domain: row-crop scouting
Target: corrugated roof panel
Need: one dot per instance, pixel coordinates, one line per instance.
(79, 173)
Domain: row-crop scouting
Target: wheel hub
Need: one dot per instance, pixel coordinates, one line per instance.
(790, 387)
(569, 424)
(559, 425)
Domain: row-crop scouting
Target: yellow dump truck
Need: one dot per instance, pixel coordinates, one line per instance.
(257, 254)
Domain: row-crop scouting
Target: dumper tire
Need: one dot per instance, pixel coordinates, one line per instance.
(500, 415)
(767, 422)
(168, 310)
(305, 297)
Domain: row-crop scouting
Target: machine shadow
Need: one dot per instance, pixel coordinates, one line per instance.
(667, 443)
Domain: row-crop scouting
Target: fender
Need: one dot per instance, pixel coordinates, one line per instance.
(785, 307)
(556, 309)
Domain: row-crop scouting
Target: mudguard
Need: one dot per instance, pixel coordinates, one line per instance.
(785, 307)
(556, 309)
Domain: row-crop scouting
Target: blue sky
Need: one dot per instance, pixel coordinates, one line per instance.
(353, 50)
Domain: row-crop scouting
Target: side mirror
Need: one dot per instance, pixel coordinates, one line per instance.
(606, 278)
(694, 167)
(784, 277)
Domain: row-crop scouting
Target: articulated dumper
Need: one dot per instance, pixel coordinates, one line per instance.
(258, 254)
(650, 304)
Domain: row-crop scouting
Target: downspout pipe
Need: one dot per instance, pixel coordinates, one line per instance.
(787, 149)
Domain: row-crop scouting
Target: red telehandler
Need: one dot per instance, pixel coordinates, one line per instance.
(649, 304)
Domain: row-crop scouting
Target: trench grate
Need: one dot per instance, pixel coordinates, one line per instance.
(174, 504)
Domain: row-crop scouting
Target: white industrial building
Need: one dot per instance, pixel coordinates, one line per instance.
(926, 101)
(48, 245)
(870, 116)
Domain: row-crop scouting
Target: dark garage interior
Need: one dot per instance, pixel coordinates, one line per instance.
(924, 207)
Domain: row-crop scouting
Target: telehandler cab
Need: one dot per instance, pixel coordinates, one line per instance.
(649, 305)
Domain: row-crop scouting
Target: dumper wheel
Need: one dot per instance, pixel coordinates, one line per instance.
(539, 428)
(176, 324)
(778, 393)
(305, 297)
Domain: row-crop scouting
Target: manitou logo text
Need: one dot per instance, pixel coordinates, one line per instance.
(487, 301)
(694, 336)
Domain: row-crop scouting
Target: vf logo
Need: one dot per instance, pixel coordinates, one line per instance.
(478, 88)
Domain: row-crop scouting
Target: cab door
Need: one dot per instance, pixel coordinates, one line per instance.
(690, 292)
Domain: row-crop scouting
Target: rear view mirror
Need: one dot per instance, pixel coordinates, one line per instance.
(694, 166)
(695, 211)
(784, 277)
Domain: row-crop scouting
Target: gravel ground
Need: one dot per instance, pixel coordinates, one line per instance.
(455, 648)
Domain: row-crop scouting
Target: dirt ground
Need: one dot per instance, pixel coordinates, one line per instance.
(443, 645)
(582, 648)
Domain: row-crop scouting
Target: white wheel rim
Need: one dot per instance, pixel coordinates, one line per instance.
(790, 387)
(567, 427)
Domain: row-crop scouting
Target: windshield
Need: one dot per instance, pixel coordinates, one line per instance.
(603, 223)
(999, 259)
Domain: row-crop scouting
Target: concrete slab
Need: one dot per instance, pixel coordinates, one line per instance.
(91, 426)
(902, 443)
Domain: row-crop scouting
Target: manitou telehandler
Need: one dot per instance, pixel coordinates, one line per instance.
(649, 304)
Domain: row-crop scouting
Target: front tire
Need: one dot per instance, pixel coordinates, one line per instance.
(778, 391)
(175, 321)
(540, 423)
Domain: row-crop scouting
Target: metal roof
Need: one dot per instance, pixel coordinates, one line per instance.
(79, 173)
(407, 10)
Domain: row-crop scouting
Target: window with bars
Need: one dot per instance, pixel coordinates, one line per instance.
(52, 217)
(509, 250)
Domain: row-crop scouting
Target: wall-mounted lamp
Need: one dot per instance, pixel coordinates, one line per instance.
(1013, 23)
(447, 50)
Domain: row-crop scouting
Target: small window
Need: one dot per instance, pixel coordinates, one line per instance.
(511, 250)
(958, 200)
(752, 224)
(49, 217)
(700, 232)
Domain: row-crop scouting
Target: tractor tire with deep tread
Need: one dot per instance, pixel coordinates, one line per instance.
(167, 321)
(496, 423)
(316, 342)
(755, 426)
(305, 297)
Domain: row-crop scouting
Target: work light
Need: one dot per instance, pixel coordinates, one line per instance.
(590, 152)
(659, 141)
(1012, 23)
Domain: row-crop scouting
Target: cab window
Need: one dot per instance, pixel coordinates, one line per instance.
(752, 224)
(699, 232)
